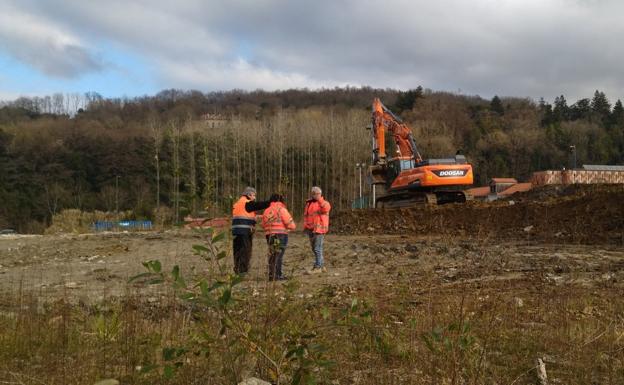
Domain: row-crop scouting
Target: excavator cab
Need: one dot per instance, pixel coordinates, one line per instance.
(396, 166)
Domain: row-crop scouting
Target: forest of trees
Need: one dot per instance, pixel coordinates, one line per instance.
(91, 153)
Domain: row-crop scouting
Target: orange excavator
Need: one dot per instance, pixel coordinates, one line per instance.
(406, 179)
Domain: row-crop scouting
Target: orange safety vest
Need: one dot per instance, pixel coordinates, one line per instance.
(242, 220)
(277, 220)
(316, 216)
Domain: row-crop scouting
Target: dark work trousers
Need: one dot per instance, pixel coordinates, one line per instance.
(242, 252)
(277, 247)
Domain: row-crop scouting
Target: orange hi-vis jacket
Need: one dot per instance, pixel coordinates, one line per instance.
(243, 221)
(277, 220)
(316, 216)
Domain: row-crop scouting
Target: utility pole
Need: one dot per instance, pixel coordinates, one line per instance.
(573, 153)
(116, 194)
(374, 197)
(157, 181)
(359, 166)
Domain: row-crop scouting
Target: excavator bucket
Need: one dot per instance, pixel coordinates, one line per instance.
(377, 174)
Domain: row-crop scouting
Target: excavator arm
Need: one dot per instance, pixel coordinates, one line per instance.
(383, 121)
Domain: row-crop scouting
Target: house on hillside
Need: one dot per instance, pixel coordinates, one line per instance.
(214, 120)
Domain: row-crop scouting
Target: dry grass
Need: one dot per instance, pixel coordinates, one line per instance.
(420, 332)
(422, 311)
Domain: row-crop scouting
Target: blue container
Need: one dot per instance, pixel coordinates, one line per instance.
(121, 225)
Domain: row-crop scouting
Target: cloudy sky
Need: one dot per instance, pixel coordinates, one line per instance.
(525, 48)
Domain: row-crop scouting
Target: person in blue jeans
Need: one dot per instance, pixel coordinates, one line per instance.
(316, 243)
(316, 225)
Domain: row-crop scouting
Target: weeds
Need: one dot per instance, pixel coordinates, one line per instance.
(218, 328)
(281, 349)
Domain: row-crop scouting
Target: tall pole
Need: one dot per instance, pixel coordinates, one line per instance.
(360, 183)
(359, 167)
(157, 182)
(573, 155)
(373, 202)
(116, 194)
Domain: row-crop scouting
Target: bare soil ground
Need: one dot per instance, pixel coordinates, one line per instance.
(95, 266)
(573, 214)
(573, 234)
(540, 277)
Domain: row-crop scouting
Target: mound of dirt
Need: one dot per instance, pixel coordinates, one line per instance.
(548, 192)
(586, 214)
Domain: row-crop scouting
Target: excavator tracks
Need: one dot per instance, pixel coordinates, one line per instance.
(411, 199)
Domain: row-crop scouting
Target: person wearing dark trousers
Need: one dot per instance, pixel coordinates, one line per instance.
(276, 222)
(243, 226)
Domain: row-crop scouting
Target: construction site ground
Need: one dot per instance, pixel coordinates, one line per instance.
(93, 267)
(543, 259)
(560, 235)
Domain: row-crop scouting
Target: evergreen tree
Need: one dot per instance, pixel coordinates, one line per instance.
(497, 106)
(600, 106)
(561, 110)
(548, 117)
(616, 131)
(406, 100)
(617, 115)
(581, 109)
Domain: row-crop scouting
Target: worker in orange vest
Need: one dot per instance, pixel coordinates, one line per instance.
(243, 226)
(316, 225)
(276, 222)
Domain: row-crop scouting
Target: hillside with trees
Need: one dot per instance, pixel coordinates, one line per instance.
(188, 152)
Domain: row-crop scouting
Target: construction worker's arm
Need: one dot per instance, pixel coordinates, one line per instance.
(324, 206)
(287, 219)
(256, 206)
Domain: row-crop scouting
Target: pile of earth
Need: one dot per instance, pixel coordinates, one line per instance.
(548, 192)
(577, 214)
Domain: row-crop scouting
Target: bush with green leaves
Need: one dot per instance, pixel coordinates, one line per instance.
(274, 333)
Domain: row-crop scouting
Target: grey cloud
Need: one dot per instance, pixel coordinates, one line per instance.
(67, 61)
(514, 48)
(43, 44)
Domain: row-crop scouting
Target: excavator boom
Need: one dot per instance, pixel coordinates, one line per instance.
(384, 120)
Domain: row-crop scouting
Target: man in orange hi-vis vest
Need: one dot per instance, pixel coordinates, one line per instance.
(316, 225)
(276, 222)
(243, 226)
